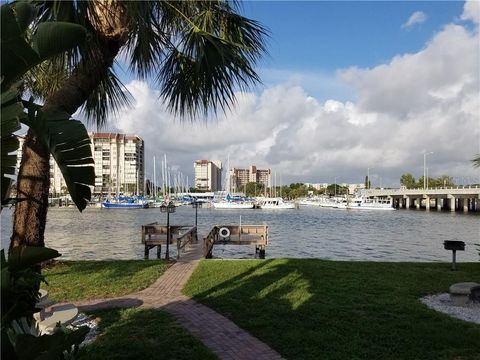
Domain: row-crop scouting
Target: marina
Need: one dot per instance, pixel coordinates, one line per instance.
(309, 232)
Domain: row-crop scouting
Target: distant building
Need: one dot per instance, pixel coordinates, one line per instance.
(119, 165)
(208, 175)
(241, 177)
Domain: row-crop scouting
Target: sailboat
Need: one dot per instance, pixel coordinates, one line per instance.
(232, 201)
(126, 202)
(275, 202)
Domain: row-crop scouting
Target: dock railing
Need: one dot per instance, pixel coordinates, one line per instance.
(188, 238)
(155, 235)
(238, 235)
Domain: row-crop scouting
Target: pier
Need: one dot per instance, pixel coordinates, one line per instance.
(237, 235)
(155, 235)
(458, 198)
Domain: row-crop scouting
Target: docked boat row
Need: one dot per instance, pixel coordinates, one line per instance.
(347, 203)
(241, 202)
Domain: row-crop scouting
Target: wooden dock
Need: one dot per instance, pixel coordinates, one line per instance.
(155, 235)
(237, 235)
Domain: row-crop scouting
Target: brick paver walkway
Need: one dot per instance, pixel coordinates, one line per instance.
(219, 334)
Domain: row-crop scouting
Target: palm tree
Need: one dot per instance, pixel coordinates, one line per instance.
(199, 52)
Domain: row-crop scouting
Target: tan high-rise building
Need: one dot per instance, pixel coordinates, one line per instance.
(241, 177)
(119, 165)
(208, 175)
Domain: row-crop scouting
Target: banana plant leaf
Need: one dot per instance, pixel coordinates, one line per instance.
(17, 56)
(69, 144)
(21, 257)
(11, 115)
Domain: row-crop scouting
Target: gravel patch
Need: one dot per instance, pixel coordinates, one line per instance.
(91, 322)
(441, 302)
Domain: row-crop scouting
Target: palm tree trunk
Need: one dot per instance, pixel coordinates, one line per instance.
(33, 180)
(33, 183)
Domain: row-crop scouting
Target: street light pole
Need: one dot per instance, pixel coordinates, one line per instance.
(167, 252)
(425, 168)
(168, 208)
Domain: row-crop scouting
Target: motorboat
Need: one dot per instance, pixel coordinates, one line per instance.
(370, 204)
(274, 203)
(233, 202)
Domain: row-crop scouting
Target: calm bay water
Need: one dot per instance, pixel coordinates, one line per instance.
(403, 235)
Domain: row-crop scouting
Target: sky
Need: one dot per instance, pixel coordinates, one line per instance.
(347, 87)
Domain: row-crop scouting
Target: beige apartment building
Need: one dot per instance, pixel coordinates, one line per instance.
(241, 177)
(119, 165)
(208, 175)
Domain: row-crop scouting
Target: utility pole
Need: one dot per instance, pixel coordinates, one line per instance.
(425, 153)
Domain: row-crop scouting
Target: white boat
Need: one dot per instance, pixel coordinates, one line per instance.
(309, 202)
(274, 203)
(233, 205)
(336, 202)
(370, 204)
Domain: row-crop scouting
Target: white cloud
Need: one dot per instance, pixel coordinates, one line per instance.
(425, 100)
(471, 11)
(417, 17)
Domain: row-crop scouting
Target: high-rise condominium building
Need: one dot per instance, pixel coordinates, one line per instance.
(240, 177)
(208, 175)
(119, 165)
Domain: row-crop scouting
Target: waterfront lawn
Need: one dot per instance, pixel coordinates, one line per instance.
(314, 309)
(83, 280)
(142, 334)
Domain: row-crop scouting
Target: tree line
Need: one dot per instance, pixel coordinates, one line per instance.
(408, 180)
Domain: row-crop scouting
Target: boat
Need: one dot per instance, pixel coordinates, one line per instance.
(274, 204)
(125, 203)
(370, 204)
(233, 202)
(233, 205)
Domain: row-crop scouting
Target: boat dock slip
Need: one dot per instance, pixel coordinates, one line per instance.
(237, 235)
(155, 234)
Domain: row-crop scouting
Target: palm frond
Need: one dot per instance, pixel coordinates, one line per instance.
(109, 96)
(46, 78)
(214, 56)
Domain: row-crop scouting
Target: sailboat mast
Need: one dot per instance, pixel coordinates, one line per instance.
(154, 192)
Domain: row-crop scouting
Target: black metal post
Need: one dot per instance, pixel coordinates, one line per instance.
(454, 259)
(196, 213)
(167, 253)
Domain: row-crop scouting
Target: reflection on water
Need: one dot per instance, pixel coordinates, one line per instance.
(404, 235)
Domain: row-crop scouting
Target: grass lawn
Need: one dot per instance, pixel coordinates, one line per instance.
(314, 309)
(82, 280)
(142, 334)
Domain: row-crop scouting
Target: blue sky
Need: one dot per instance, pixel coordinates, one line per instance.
(321, 37)
(347, 86)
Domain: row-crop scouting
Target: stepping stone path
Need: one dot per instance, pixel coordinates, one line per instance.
(218, 333)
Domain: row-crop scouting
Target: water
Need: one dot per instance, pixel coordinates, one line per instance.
(403, 235)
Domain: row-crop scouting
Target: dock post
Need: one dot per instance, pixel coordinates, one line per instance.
(159, 251)
(261, 253)
(145, 256)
